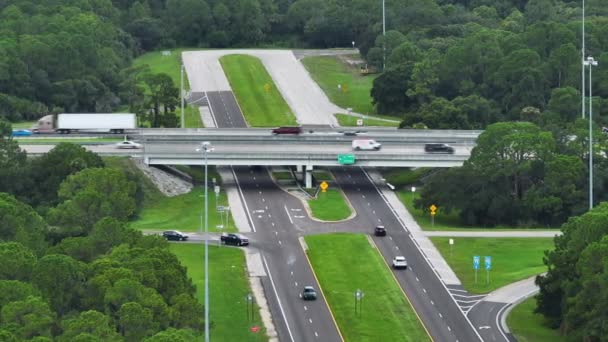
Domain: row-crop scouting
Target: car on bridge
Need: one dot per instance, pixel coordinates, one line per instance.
(234, 239)
(438, 148)
(287, 130)
(399, 262)
(128, 144)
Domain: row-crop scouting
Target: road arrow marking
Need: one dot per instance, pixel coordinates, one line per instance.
(484, 327)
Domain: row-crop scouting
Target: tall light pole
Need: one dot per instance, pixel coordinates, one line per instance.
(181, 91)
(206, 148)
(590, 62)
(583, 66)
(383, 36)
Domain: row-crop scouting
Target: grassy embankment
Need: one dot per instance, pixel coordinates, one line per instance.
(182, 212)
(170, 65)
(528, 326)
(256, 93)
(344, 263)
(349, 120)
(513, 259)
(228, 289)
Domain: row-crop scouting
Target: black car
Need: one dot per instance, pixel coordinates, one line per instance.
(175, 235)
(309, 293)
(380, 231)
(440, 148)
(234, 239)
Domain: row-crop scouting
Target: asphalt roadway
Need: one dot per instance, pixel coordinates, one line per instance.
(271, 213)
(279, 219)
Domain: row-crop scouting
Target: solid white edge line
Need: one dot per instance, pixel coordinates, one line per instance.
(238, 185)
(424, 255)
(287, 211)
(278, 299)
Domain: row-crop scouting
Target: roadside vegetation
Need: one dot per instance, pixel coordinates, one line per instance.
(344, 263)
(228, 289)
(342, 83)
(330, 206)
(180, 213)
(170, 65)
(256, 93)
(513, 259)
(349, 120)
(528, 326)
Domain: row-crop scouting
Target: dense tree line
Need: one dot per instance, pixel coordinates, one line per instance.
(72, 270)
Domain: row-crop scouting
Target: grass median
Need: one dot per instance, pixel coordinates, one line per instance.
(228, 288)
(528, 326)
(354, 90)
(330, 206)
(349, 120)
(513, 259)
(256, 93)
(344, 263)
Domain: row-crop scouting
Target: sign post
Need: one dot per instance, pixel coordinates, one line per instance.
(451, 246)
(476, 265)
(433, 209)
(488, 264)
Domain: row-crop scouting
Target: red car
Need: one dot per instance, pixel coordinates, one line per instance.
(287, 130)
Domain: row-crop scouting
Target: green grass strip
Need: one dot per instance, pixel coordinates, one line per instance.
(329, 206)
(513, 259)
(354, 91)
(344, 263)
(182, 212)
(228, 288)
(528, 326)
(349, 120)
(256, 93)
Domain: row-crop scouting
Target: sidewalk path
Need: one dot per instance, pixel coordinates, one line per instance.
(496, 234)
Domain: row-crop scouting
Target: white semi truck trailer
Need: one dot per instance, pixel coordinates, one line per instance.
(93, 122)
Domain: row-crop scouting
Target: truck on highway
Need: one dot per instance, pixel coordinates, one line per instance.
(89, 122)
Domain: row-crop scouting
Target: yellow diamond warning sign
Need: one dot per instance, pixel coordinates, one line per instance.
(324, 186)
(433, 208)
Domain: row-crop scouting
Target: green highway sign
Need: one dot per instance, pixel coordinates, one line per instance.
(346, 159)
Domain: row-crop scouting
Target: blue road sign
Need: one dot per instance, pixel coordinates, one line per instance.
(476, 262)
(488, 262)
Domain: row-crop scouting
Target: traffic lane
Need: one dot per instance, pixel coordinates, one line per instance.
(284, 259)
(338, 147)
(368, 202)
(358, 190)
(225, 111)
(486, 316)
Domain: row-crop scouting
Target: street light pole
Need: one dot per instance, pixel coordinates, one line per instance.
(583, 66)
(206, 148)
(590, 62)
(181, 90)
(383, 36)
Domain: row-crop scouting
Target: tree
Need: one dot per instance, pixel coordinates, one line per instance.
(20, 223)
(15, 290)
(91, 195)
(173, 335)
(28, 318)
(92, 323)
(388, 91)
(186, 312)
(16, 261)
(162, 93)
(576, 269)
(61, 279)
(51, 169)
(135, 322)
(12, 161)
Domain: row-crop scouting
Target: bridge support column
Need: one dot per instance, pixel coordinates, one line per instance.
(308, 176)
(299, 168)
